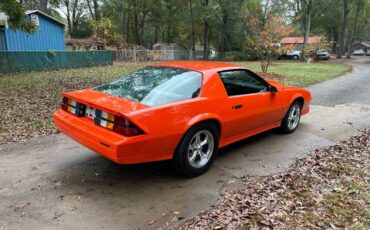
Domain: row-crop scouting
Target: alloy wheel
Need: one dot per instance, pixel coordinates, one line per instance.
(200, 148)
(294, 116)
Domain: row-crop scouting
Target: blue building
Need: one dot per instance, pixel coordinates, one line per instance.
(49, 34)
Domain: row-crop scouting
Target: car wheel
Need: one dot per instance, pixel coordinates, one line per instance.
(292, 118)
(295, 57)
(197, 150)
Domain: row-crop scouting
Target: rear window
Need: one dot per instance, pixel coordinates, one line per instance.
(154, 86)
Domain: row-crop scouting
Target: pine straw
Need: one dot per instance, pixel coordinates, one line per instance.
(329, 189)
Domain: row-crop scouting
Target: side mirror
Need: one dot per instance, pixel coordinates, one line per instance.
(272, 89)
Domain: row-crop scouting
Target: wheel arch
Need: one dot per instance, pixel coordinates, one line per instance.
(300, 99)
(292, 96)
(202, 118)
(212, 118)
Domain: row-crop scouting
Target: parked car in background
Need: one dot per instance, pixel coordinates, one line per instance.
(290, 55)
(323, 55)
(182, 111)
(368, 52)
(359, 52)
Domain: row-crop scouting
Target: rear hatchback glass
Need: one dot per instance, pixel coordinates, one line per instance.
(154, 86)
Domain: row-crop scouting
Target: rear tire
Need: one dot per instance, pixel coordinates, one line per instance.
(292, 118)
(197, 149)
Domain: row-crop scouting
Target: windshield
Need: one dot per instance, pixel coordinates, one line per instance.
(156, 85)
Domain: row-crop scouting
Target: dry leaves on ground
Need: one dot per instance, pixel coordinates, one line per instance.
(27, 100)
(330, 189)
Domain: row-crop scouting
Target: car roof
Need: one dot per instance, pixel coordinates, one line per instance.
(199, 65)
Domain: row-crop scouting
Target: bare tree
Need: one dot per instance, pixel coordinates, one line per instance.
(93, 6)
(192, 28)
(139, 11)
(44, 6)
(359, 5)
(346, 10)
(206, 29)
(74, 12)
(304, 15)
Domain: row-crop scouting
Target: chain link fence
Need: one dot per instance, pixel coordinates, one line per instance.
(141, 55)
(16, 61)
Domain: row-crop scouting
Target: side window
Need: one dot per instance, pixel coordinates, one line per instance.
(240, 82)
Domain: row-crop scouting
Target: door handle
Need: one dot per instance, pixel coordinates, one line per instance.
(239, 106)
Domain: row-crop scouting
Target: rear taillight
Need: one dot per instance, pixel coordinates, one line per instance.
(65, 104)
(73, 107)
(123, 126)
(107, 120)
(115, 123)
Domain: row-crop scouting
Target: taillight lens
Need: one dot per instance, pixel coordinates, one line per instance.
(123, 126)
(73, 107)
(65, 104)
(115, 123)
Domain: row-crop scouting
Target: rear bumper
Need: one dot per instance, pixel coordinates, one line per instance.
(118, 148)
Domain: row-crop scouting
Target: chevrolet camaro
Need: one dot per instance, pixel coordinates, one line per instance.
(183, 111)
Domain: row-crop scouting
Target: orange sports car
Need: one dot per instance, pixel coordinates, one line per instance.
(182, 111)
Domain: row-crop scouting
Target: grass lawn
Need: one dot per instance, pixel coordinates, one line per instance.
(302, 74)
(28, 99)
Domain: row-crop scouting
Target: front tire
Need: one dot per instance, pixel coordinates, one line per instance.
(292, 118)
(197, 149)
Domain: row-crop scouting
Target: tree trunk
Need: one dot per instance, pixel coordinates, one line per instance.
(169, 22)
(205, 40)
(70, 29)
(353, 30)
(307, 28)
(156, 34)
(223, 36)
(335, 40)
(44, 6)
(192, 30)
(122, 18)
(343, 28)
(206, 28)
(142, 33)
(135, 28)
(96, 10)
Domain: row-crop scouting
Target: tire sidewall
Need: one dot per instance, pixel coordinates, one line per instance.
(284, 125)
(181, 159)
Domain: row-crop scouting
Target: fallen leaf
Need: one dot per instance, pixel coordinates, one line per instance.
(151, 222)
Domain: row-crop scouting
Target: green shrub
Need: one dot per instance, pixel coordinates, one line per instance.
(235, 56)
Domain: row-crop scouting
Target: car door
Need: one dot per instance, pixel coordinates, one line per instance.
(249, 105)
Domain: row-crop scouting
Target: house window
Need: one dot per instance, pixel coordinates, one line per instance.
(3, 21)
(35, 20)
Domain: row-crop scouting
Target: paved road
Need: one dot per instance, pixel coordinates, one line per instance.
(54, 183)
(336, 91)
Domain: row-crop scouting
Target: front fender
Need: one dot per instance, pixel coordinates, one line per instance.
(292, 94)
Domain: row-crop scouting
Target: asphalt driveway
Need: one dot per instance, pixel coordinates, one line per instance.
(54, 183)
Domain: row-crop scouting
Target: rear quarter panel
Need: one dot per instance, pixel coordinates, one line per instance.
(165, 125)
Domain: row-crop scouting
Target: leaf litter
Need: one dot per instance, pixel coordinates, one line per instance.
(329, 189)
(28, 99)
